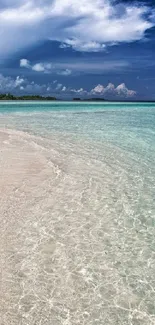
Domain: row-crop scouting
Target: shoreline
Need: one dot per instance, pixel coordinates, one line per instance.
(85, 101)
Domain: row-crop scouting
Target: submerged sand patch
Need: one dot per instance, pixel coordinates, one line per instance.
(72, 249)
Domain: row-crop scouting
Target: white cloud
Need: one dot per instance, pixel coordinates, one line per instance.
(123, 90)
(24, 63)
(64, 46)
(19, 81)
(9, 84)
(66, 72)
(99, 89)
(39, 67)
(86, 25)
(80, 91)
(24, 14)
(120, 90)
(42, 67)
(20, 85)
(83, 46)
(110, 87)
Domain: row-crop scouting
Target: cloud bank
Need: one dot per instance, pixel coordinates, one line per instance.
(120, 90)
(22, 86)
(85, 25)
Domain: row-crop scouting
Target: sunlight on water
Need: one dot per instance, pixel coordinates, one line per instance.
(78, 215)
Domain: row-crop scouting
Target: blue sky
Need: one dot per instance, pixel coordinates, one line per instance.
(72, 48)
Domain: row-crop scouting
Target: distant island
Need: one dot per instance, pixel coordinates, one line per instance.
(89, 99)
(25, 97)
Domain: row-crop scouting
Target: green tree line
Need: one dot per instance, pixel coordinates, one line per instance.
(25, 97)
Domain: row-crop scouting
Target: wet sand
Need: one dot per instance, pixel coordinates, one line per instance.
(63, 255)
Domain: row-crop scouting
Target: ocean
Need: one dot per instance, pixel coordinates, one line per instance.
(77, 213)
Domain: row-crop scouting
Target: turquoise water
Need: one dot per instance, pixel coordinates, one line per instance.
(104, 213)
(131, 126)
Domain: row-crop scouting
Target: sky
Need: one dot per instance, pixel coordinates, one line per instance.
(78, 48)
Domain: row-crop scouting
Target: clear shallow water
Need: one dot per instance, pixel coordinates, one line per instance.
(129, 126)
(102, 220)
